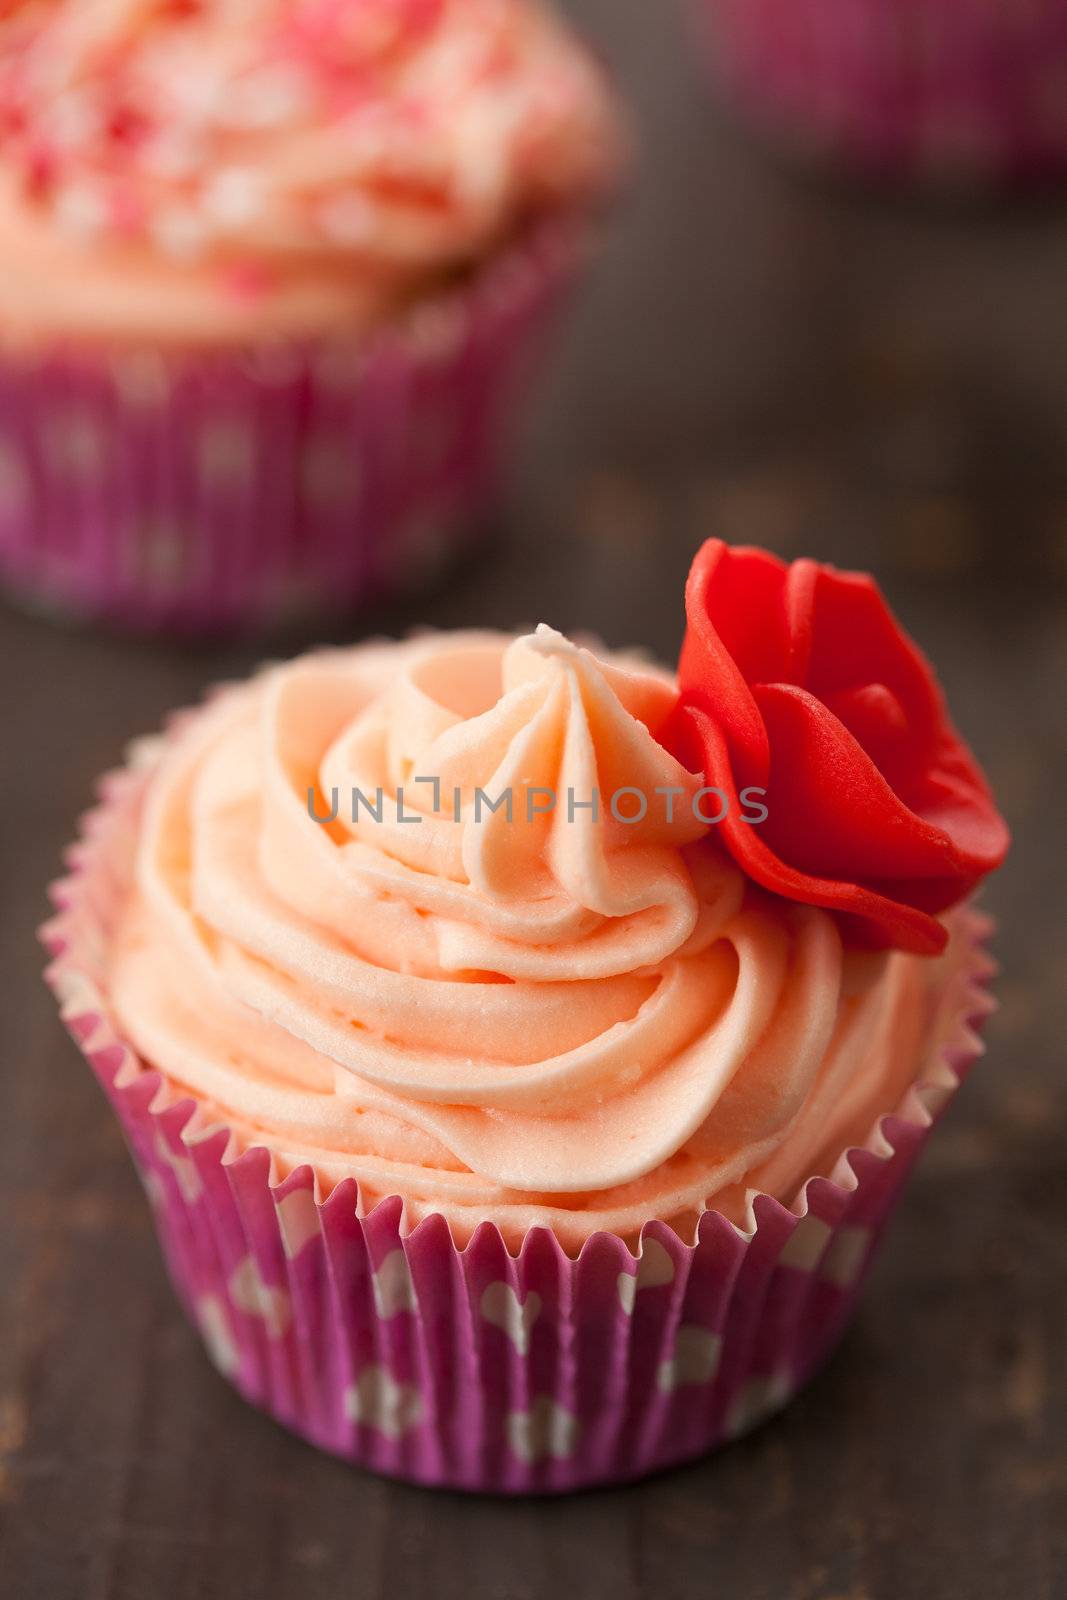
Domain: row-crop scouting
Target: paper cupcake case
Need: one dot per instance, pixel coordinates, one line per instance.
(478, 1368)
(240, 489)
(957, 92)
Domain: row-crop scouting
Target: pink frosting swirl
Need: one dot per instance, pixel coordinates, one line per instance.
(567, 1016)
(324, 156)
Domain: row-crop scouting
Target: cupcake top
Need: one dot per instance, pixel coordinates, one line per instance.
(450, 917)
(227, 168)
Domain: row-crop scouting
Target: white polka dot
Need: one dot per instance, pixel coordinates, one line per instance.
(152, 1185)
(75, 445)
(224, 456)
(217, 1334)
(142, 378)
(757, 1399)
(255, 1298)
(695, 1358)
(846, 1255)
(378, 1401)
(77, 993)
(298, 1220)
(160, 553)
(438, 329)
(501, 1307)
(654, 1269)
(329, 472)
(805, 1244)
(14, 480)
(183, 1168)
(547, 1429)
(393, 1288)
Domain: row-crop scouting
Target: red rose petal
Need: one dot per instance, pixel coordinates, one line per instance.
(879, 921)
(798, 679)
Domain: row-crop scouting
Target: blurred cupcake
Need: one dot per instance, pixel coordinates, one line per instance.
(954, 93)
(274, 272)
(511, 1119)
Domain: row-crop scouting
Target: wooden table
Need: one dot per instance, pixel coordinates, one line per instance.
(779, 360)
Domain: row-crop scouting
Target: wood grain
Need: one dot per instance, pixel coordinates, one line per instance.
(777, 359)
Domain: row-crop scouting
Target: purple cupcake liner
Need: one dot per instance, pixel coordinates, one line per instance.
(232, 489)
(478, 1368)
(950, 92)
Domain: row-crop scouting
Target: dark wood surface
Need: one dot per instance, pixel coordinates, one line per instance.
(765, 355)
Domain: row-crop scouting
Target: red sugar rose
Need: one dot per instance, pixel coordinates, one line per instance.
(799, 680)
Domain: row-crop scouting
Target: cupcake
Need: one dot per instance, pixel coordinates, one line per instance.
(522, 1046)
(274, 277)
(957, 93)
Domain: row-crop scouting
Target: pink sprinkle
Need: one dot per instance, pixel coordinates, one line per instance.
(41, 169)
(248, 281)
(126, 213)
(126, 126)
(333, 36)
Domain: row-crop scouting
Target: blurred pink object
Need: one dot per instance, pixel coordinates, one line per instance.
(200, 492)
(952, 92)
(271, 276)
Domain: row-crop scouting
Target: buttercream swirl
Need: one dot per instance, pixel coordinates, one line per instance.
(582, 1016)
(303, 164)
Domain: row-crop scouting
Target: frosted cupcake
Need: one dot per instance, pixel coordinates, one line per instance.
(511, 1120)
(273, 274)
(956, 93)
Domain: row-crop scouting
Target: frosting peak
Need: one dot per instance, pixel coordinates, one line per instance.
(515, 794)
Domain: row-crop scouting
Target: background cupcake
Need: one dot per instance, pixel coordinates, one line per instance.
(932, 91)
(507, 1122)
(272, 276)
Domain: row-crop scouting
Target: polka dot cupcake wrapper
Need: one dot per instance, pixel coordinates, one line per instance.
(956, 92)
(229, 490)
(481, 1368)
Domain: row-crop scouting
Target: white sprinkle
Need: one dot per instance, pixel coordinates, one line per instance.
(347, 219)
(199, 95)
(71, 120)
(172, 153)
(80, 210)
(179, 232)
(234, 196)
(266, 98)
